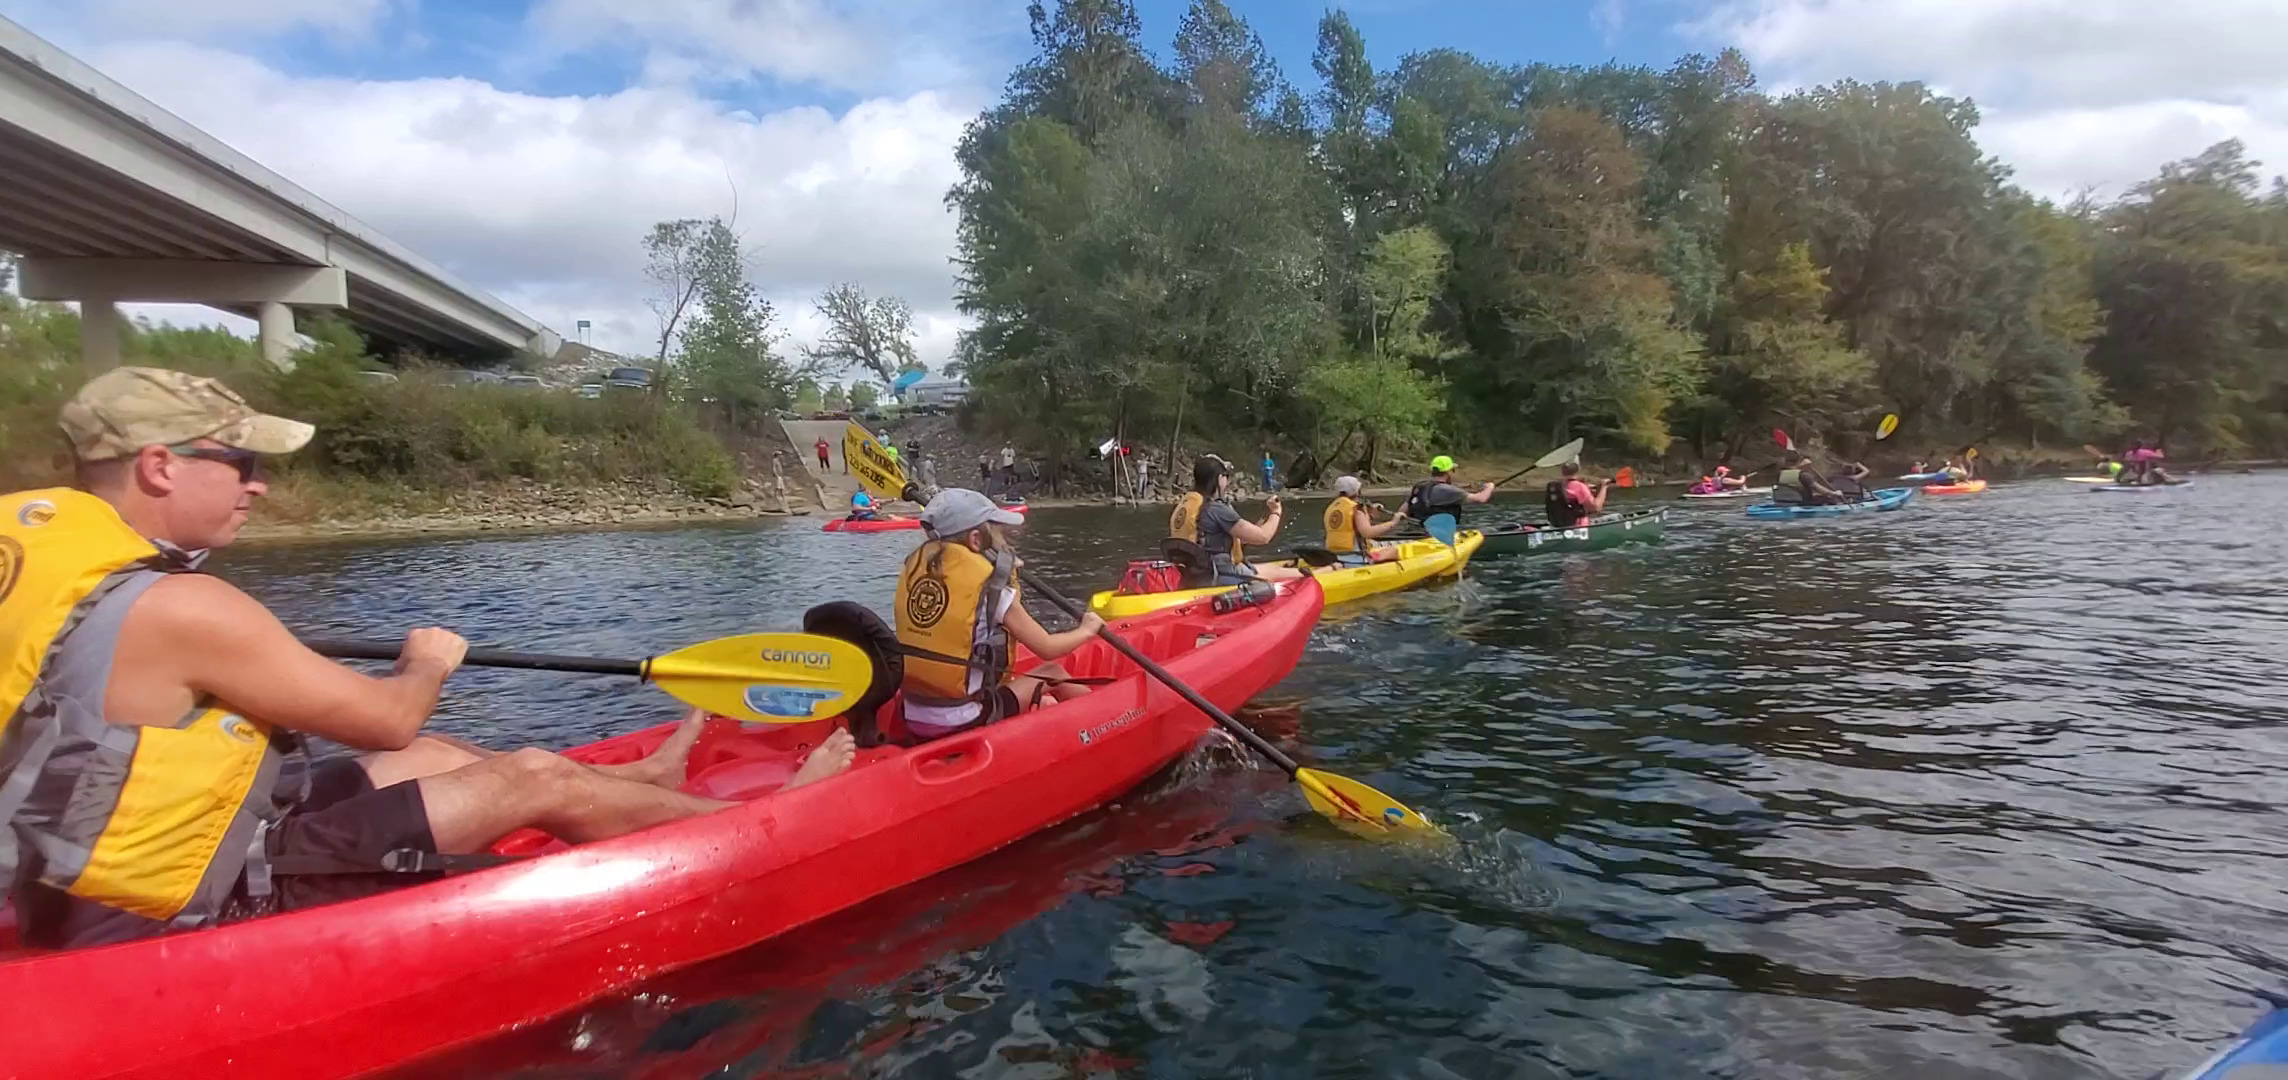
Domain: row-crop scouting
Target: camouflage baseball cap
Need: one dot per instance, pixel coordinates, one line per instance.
(126, 409)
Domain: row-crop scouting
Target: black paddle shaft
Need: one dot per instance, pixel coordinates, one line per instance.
(353, 649)
(1238, 729)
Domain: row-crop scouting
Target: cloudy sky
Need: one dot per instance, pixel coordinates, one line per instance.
(527, 145)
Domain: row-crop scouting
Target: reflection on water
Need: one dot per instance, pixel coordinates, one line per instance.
(1988, 787)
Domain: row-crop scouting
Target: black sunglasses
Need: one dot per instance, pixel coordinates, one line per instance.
(248, 462)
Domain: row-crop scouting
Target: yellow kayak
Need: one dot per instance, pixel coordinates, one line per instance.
(1418, 560)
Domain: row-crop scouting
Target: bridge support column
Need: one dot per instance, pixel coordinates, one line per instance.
(275, 332)
(266, 288)
(99, 332)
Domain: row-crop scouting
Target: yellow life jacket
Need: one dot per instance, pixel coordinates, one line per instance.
(1342, 524)
(182, 808)
(945, 592)
(1184, 520)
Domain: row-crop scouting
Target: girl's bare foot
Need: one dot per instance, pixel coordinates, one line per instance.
(832, 756)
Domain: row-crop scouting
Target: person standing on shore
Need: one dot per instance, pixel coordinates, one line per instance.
(1008, 465)
(825, 459)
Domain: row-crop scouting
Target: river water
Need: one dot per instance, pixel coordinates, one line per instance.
(1990, 787)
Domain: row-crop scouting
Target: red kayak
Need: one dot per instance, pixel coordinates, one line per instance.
(370, 984)
(889, 524)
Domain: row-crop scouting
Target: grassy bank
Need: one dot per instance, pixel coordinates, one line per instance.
(418, 445)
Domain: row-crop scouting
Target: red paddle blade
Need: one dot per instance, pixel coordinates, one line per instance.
(1781, 438)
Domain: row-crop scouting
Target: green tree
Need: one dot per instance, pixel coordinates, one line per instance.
(2194, 282)
(874, 334)
(835, 398)
(725, 347)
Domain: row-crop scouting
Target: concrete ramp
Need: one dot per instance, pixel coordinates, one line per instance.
(834, 481)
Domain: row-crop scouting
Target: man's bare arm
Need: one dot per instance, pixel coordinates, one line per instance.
(219, 642)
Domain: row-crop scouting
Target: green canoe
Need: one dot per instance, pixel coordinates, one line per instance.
(1610, 530)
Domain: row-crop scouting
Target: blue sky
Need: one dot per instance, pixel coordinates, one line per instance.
(527, 145)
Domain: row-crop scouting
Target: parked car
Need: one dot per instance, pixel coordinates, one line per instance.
(467, 377)
(382, 377)
(628, 378)
(590, 390)
(524, 382)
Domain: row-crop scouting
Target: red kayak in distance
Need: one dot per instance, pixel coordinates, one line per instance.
(379, 983)
(890, 524)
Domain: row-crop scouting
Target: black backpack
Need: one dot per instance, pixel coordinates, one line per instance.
(1418, 500)
(1564, 510)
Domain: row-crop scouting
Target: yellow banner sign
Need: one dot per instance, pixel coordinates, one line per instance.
(872, 464)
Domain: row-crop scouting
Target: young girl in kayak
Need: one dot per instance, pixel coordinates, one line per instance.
(1351, 530)
(957, 597)
(1219, 528)
(1719, 481)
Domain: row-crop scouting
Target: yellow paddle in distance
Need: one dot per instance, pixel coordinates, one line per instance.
(1352, 805)
(1890, 424)
(783, 678)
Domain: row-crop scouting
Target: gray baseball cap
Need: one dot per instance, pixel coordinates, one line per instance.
(957, 510)
(1347, 485)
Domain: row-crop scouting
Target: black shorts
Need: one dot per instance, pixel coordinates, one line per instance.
(345, 819)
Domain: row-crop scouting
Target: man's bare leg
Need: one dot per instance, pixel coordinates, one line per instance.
(473, 806)
(434, 755)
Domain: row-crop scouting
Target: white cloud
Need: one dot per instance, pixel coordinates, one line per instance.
(798, 40)
(1610, 17)
(213, 18)
(2074, 92)
(863, 45)
(544, 200)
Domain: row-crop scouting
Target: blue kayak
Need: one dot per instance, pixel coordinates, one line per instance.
(1886, 499)
(2261, 1051)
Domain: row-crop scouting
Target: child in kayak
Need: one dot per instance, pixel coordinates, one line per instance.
(1351, 529)
(1719, 481)
(957, 597)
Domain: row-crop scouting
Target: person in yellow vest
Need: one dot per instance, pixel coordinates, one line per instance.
(150, 772)
(957, 601)
(1206, 519)
(1351, 528)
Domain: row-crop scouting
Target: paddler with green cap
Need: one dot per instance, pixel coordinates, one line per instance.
(1437, 503)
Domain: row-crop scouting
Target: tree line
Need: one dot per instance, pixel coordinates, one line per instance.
(720, 344)
(1479, 255)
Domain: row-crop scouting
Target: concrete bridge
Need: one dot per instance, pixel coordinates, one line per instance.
(110, 198)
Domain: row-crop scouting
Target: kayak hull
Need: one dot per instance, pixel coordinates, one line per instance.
(1418, 561)
(374, 983)
(889, 524)
(1967, 487)
(1605, 532)
(1885, 499)
(2259, 1052)
(1735, 493)
(2141, 489)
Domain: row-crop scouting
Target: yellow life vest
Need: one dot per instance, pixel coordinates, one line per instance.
(945, 592)
(184, 807)
(1184, 520)
(1342, 525)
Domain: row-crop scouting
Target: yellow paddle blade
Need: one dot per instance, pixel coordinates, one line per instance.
(1971, 453)
(1890, 424)
(766, 678)
(878, 471)
(1357, 807)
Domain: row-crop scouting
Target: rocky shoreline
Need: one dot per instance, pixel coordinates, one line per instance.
(532, 508)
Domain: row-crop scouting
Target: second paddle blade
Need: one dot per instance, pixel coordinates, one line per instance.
(1358, 807)
(767, 678)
